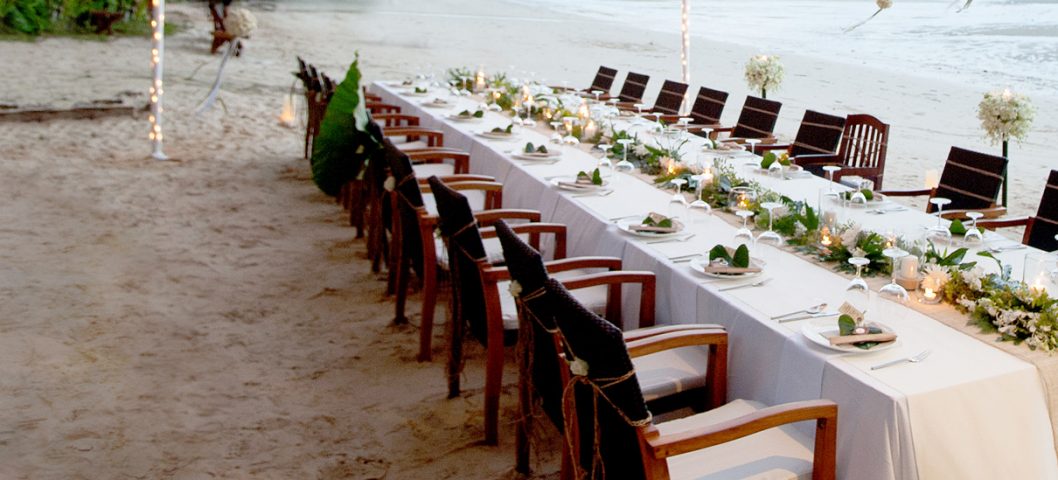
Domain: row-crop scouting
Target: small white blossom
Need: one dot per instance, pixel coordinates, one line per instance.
(515, 288)
(764, 72)
(1005, 115)
(640, 150)
(579, 367)
(390, 184)
(884, 4)
(240, 22)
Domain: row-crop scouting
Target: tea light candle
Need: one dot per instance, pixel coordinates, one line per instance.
(932, 179)
(671, 168)
(582, 112)
(929, 294)
(479, 81)
(825, 239)
(591, 129)
(707, 176)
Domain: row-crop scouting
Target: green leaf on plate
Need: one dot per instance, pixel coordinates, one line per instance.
(596, 177)
(957, 227)
(846, 325)
(769, 158)
(720, 252)
(741, 259)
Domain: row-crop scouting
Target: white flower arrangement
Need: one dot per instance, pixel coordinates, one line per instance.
(764, 72)
(1005, 115)
(240, 22)
(883, 4)
(936, 277)
(515, 288)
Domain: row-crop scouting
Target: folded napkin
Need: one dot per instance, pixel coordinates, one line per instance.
(728, 270)
(869, 337)
(655, 229)
(571, 184)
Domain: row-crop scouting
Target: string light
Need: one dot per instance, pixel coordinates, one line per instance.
(156, 91)
(685, 52)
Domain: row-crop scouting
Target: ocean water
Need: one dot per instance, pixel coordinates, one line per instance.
(989, 45)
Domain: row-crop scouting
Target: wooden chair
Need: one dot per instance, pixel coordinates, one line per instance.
(634, 87)
(480, 291)
(862, 153)
(818, 135)
(603, 80)
(1041, 229)
(220, 34)
(669, 100)
(610, 430)
(757, 120)
(971, 180)
(378, 108)
(674, 378)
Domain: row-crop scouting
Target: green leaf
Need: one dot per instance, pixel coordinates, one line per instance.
(954, 258)
(769, 158)
(957, 228)
(510, 128)
(720, 252)
(649, 221)
(343, 144)
(541, 149)
(529, 147)
(741, 259)
(846, 325)
(596, 177)
(479, 114)
(809, 219)
(867, 194)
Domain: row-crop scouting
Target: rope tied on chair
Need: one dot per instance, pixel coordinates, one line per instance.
(579, 368)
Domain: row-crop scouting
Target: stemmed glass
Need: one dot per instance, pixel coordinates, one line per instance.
(771, 236)
(624, 166)
(940, 233)
(858, 283)
(678, 203)
(597, 93)
(639, 108)
(557, 136)
(831, 169)
(744, 233)
(753, 144)
(569, 122)
(698, 202)
(894, 289)
(605, 166)
(973, 235)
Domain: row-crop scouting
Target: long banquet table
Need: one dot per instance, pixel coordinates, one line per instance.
(969, 411)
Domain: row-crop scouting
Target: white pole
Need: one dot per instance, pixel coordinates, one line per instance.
(685, 51)
(157, 54)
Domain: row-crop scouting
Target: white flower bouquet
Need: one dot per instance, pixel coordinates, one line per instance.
(1005, 115)
(240, 22)
(764, 72)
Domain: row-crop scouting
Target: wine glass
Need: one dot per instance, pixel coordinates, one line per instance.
(568, 123)
(639, 108)
(770, 237)
(973, 235)
(858, 283)
(744, 234)
(893, 289)
(678, 203)
(597, 93)
(624, 165)
(753, 144)
(604, 160)
(557, 136)
(831, 169)
(940, 233)
(698, 203)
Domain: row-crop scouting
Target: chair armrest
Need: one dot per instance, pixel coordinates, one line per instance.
(395, 119)
(907, 193)
(460, 160)
(642, 333)
(615, 280)
(534, 230)
(676, 339)
(698, 127)
(566, 264)
(486, 218)
(462, 177)
(772, 146)
(824, 412)
(1005, 223)
(495, 274)
(816, 159)
(378, 108)
(434, 138)
(990, 213)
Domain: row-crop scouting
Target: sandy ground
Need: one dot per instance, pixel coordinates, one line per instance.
(212, 317)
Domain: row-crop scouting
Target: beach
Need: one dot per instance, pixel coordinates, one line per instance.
(213, 316)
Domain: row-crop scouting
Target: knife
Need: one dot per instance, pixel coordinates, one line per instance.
(805, 317)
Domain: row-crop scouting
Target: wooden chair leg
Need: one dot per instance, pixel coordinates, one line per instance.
(493, 382)
(455, 355)
(356, 207)
(429, 304)
(523, 429)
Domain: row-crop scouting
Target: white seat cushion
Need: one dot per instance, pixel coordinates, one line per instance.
(776, 453)
(416, 145)
(476, 199)
(594, 298)
(426, 170)
(493, 251)
(671, 371)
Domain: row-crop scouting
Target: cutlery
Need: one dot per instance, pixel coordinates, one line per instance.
(540, 162)
(810, 310)
(689, 256)
(912, 359)
(1005, 248)
(614, 219)
(672, 239)
(808, 316)
(746, 285)
(594, 194)
(883, 211)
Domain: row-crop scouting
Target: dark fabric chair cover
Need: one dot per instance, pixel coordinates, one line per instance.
(757, 119)
(670, 98)
(635, 85)
(526, 267)
(594, 340)
(460, 231)
(970, 179)
(603, 79)
(708, 106)
(819, 133)
(1045, 225)
(409, 198)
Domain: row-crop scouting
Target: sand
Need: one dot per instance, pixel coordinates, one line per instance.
(213, 317)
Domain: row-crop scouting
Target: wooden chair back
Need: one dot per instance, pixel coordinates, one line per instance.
(634, 87)
(708, 106)
(970, 179)
(1044, 226)
(863, 147)
(603, 79)
(670, 98)
(819, 133)
(604, 408)
(757, 119)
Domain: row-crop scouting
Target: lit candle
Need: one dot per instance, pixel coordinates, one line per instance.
(479, 81)
(590, 130)
(582, 112)
(547, 113)
(707, 176)
(929, 294)
(825, 240)
(671, 168)
(932, 179)
(909, 267)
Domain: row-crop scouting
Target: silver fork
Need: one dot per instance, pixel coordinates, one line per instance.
(593, 194)
(912, 359)
(676, 239)
(747, 285)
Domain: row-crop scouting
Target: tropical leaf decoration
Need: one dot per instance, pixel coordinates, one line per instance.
(345, 141)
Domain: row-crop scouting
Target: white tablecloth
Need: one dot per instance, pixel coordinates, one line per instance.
(969, 411)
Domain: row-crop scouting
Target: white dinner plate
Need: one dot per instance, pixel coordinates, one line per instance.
(459, 118)
(535, 157)
(624, 225)
(819, 331)
(433, 104)
(496, 135)
(698, 265)
(413, 93)
(568, 183)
